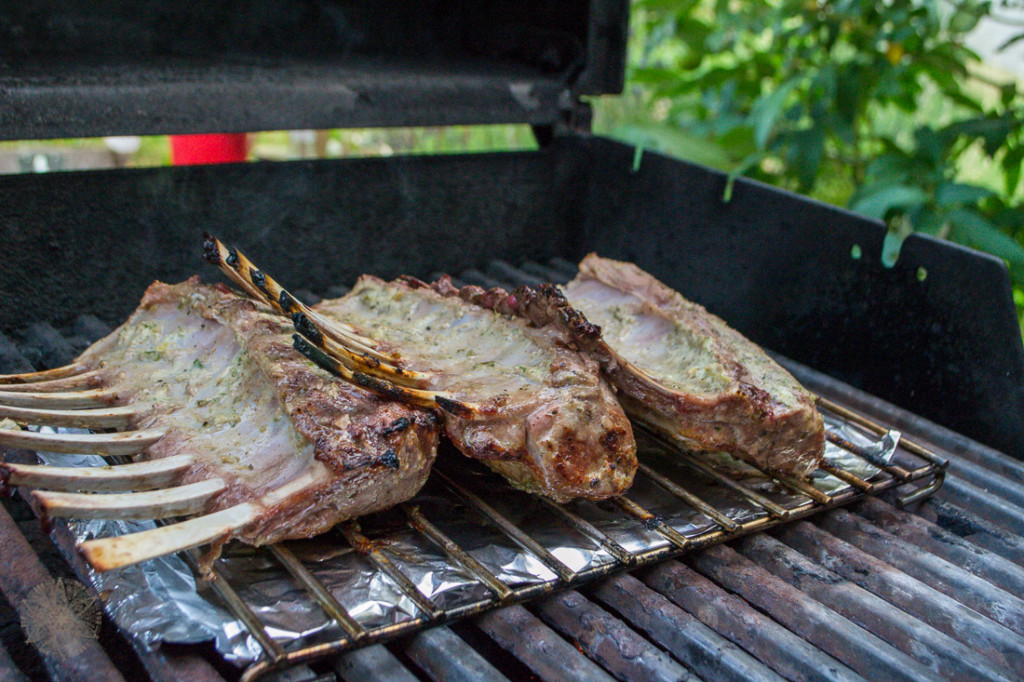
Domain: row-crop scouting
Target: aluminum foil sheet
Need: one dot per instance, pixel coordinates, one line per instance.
(161, 600)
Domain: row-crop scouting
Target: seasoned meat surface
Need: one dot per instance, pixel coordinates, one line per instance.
(544, 418)
(688, 373)
(218, 373)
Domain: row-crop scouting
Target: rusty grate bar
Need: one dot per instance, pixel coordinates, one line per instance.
(238, 607)
(693, 462)
(846, 477)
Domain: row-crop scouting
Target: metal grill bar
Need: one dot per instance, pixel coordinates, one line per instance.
(690, 460)
(548, 655)
(690, 499)
(651, 522)
(846, 477)
(507, 527)
(705, 651)
(940, 542)
(941, 612)
(621, 554)
(803, 488)
(769, 643)
(318, 591)
(979, 531)
(609, 641)
(456, 553)
(996, 604)
(444, 656)
(366, 547)
(941, 653)
(238, 608)
(834, 634)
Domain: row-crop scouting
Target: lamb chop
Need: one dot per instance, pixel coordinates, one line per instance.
(517, 396)
(687, 374)
(260, 442)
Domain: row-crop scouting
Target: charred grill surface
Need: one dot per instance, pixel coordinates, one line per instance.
(687, 373)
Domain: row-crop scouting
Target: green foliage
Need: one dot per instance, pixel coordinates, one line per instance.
(874, 104)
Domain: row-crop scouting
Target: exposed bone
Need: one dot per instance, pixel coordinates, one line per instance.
(123, 443)
(45, 375)
(154, 504)
(102, 479)
(60, 384)
(240, 269)
(105, 554)
(100, 418)
(96, 397)
(329, 349)
(411, 396)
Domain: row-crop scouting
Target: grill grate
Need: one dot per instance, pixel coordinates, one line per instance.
(806, 629)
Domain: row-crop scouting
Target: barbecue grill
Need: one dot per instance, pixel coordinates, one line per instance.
(929, 347)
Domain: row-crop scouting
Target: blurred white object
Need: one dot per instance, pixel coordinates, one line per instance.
(128, 144)
(1005, 22)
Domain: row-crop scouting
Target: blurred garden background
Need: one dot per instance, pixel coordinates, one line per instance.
(910, 111)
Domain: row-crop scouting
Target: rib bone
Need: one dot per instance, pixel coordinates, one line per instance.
(241, 271)
(103, 479)
(329, 344)
(154, 504)
(105, 554)
(50, 385)
(101, 418)
(45, 375)
(124, 443)
(95, 397)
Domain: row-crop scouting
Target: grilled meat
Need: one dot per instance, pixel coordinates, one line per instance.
(687, 373)
(542, 416)
(218, 373)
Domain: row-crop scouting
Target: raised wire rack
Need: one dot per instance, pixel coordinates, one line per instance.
(775, 500)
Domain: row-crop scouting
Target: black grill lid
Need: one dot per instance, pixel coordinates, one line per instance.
(112, 67)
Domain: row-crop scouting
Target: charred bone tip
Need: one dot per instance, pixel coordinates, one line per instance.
(453, 407)
(211, 250)
(315, 354)
(305, 326)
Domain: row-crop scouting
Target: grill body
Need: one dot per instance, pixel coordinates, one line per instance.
(776, 266)
(929, 346)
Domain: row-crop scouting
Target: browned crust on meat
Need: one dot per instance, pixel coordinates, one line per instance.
(378, 452)
(572, 443)
(747, 419)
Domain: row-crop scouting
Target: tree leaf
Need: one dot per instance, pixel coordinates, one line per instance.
(1011, 42)
(973, 229)
(676, 142)
(879, 202)
(955, 193)
(1012, 165)
(767, 109)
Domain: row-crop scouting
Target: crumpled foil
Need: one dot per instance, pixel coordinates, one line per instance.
(161, 600)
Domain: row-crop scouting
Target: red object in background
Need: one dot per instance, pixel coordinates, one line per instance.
(189, 150)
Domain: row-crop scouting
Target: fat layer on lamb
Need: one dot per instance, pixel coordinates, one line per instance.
(543, 416)
(218, 373)
(687, 373)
